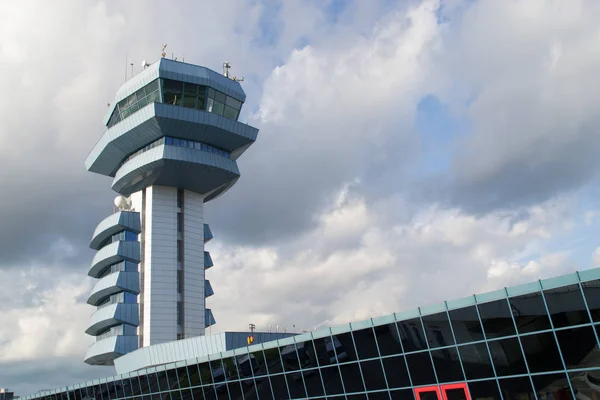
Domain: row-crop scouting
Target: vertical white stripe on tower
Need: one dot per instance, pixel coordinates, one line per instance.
(193, 265)
(160, 266)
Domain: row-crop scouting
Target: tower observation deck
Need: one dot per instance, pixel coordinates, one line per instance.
(171, 145)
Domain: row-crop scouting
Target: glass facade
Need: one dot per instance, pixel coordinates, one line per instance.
(169, 141)
(536, 341)
(189, 95)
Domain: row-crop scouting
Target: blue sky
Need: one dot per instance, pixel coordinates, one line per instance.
(407, 152)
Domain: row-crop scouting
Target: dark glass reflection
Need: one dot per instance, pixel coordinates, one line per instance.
(340, 348)
(484, 390)
(364, 340)
(465, 323)
(279, 387)
(357, 397)
(541, 352)
(455, 394)
(591, 290)
(351, 375)
(406, 394)
(586, 385)
(579, 347)
(314, 383)
(411, 332)
(396, 372)
(437, 330)
(507, 357)
(420, 369)
(447, 365)
(530, 313)
(295, 383)
(331, 378)
(373, 374)
(476, 361)
(566, 306)
(516, 389)
(496, 319)
(172, 91)
(554, 386)
(388, 339)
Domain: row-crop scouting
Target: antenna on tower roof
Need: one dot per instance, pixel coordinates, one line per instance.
(163, 54)
(226, 67)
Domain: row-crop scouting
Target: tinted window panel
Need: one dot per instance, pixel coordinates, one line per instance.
(190, 92)
(476, 361)
(220, 97)
(230, 113)
(313, 382)
(591, 291)
(566, 306)
(465, 323)
(396, 372)
(373, 375)
(507, 356)
(233, 103)
(516, 388)
(555, 385)
(351, 375)
(496, 319)
(412, 335)
(530, 313)
(577, 346)
(217, 108)
(447, 365)
(406, 394)
(581, 384)
(437, 330)
(388, 339)
(273, 362)
(420, 369)
(364, 340)
(331, 377)
(541, 352)
(484, 390)
(172, 92)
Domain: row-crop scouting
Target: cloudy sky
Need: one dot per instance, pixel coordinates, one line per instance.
(409, 152)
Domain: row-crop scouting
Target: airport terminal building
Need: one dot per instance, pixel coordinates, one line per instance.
(171, 143)
(533, 341)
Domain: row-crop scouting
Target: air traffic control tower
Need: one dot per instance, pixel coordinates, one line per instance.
(171, 143)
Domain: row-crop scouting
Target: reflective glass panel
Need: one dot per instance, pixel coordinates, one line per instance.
(233, 103)
(591, 291)
(230, 113)
(552, 386)
(530, 313)
(484, 390)
(201, 104)
(411, 332)
(331, 378)
(405, 394)
(466, 324)
(447, 365)
(172, 91)
(364, 339)
(313, 382)
(579, 347)
(586, 384)
(373, 374)
(517, 389)
(396, 372)
(476, 361)
(340, 348)
(217, 108)
(388, 339)
(220, 97)
(541, 352)
(496, 319)
(351, 375)
(190, 92)
(437, 330)
(507, 357)
(566, 306)
(295, 383)
(420, 369)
